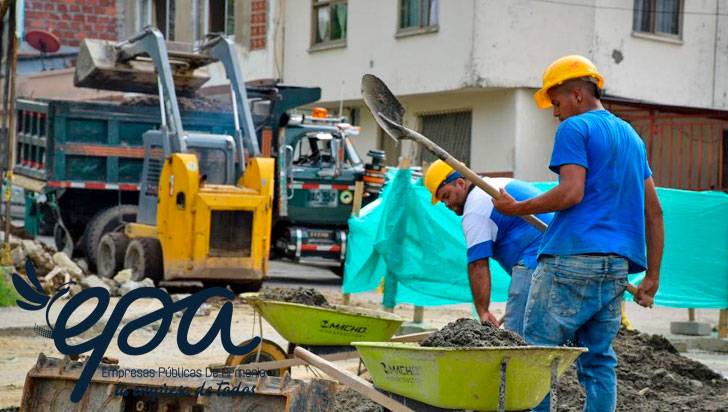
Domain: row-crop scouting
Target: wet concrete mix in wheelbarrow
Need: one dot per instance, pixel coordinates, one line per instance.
(304, 296)
(651, 374)
(471, 333)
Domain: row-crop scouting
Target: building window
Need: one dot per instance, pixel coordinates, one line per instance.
(164, 13)
(661, 17)
(329, 21)
(418, 14)
(144, 14)
(222, 16)
(451, 131)
(157, 13)
(200, 19)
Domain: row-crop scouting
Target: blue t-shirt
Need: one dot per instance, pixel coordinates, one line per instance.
(611, 216)
(507, 239)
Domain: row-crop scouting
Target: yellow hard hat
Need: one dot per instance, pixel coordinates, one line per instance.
(435, 176)
(563, 69)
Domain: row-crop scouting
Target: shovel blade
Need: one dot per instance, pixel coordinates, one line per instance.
(381, 102)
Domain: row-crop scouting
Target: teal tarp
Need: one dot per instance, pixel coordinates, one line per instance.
(422, 247)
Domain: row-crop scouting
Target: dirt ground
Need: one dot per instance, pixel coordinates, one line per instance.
(19, 349)
(657, 367)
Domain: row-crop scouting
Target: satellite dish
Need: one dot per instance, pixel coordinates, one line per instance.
(44, 42)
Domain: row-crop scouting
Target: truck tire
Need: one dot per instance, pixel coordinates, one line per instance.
(105, 221)
(144, 257)
(110, 254)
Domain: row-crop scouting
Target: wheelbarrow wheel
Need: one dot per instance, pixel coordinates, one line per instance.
(268, 353)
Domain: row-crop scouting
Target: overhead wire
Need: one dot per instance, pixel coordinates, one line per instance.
(630, 9)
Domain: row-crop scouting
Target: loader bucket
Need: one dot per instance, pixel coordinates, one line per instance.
(49, 384)
(98, 67)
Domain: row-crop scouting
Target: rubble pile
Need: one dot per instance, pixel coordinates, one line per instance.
(187, 104)
(54, 269)
(653, 376)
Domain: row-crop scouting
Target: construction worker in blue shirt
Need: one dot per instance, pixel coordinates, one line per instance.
(510, 241)
(607, 210)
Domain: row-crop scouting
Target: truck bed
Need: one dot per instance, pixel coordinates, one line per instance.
(93, 145)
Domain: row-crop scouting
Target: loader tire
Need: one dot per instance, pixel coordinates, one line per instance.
(108, 220)
(144, 258)
(110, 254)
(269, 351)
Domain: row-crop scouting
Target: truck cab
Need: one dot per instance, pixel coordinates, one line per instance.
(321, 165)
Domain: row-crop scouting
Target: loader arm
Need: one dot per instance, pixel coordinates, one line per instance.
(151, 43)
(223, 50)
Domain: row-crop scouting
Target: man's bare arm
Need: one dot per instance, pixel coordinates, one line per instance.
(569, 192)
(655, 234)
(479, 276)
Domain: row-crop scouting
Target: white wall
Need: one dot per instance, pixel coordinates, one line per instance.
(721, 65)
(534, 138)
(495, 44)
(418, 64)
(678, 73)
(517, 40)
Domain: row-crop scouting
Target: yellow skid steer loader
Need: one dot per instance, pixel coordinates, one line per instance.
(205, 203)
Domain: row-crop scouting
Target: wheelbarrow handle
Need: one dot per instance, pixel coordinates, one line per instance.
(354, 382)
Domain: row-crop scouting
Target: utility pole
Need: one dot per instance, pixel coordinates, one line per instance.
(9, 44)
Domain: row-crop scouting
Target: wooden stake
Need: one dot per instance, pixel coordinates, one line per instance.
(358, 197)
(355, 209)
(419, 316)
(691, 315)
(354, 382)
(723, 323)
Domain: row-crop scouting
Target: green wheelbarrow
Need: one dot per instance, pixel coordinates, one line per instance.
(487, 379)
(325, 331)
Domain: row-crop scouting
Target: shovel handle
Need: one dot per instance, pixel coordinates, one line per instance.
(460, 167)
(648, 300)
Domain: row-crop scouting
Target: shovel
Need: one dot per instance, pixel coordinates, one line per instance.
(389, 115)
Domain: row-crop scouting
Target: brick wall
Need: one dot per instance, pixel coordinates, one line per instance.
(258, 24)
(73, 20)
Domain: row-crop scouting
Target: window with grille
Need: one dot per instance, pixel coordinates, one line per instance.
(451, 131)
(418, 14)
(660, 17)
(329, 22)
